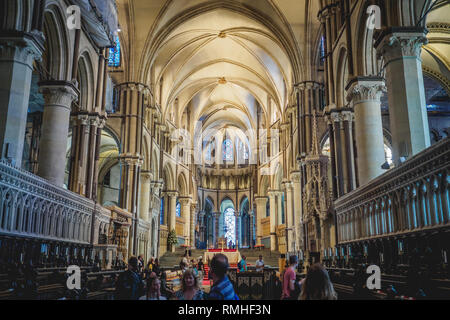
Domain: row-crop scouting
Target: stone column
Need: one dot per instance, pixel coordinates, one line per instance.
(17, 53)
(279, 208)
(171, 218)
(186, 214)
(59, 96)
(236, 231)
(216, 227)
(261, 203)
(347, 118)
(364, 95)
(146, 178)
(298, 215)
(289, 215)
(80, 132)
(273, 235)
(401, 48)
(192, 225)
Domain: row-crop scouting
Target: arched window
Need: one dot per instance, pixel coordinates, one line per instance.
(322, 50)
(178, 209)
(161, 210)
(230, 225)
(114, 54)
(243, 150)
(227, 150)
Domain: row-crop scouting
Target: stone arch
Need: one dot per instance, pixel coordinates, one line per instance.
(341, 75)
(182, 185)
(56, 57)
(168, 177)
(85, 78)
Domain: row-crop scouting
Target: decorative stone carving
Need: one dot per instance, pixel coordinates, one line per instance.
(401, 43)
(363, 90)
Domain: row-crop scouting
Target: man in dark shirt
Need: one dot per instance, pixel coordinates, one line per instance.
(222, 288)
(129, 285)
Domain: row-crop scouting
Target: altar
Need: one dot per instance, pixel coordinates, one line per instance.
(233, 255)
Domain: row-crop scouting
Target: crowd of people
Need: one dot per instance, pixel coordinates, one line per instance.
(150, 283)
(139, 283)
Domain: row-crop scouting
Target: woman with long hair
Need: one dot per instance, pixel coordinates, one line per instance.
(190, 287)
(153, 289)
(317, 285)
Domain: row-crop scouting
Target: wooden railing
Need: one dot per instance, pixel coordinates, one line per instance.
(411, 197)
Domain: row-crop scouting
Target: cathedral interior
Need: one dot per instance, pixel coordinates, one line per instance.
(316, 128)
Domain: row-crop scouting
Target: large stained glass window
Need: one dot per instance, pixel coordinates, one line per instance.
(114, 54)
(230, 226)
(227, 150)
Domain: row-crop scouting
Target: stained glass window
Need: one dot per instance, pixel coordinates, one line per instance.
(178, 209)
(114, 54)
(227, 150)
(230, 226)
(322, 50)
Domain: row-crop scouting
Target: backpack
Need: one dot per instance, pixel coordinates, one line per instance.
(239, 265)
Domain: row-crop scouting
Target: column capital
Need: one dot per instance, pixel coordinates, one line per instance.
(361, 89)
(22, 46)
(185, 201)
(261, 201)
(347, 116)
(288, 185)
(58, 93)
(124, 159)
(83, 119)
(171, 194)
(401, 42)
(146, 176)
(296, 176)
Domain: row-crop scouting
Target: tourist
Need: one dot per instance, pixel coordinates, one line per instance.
(200, 268)
(153, 290)
(140, 264)
(260, 264)
(222, 288)
(289, 280)
(190, 287)
(242, 265)
(129, 284)
(317, 285)
(165, 290)
(150, 265)
(156, 269)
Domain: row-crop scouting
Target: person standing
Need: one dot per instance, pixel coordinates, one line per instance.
(129, 284)
(190, 287)
(259, 264)
(222, 288)
(153, 290)
(317, 285)
(243, 264)
(289, 279)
